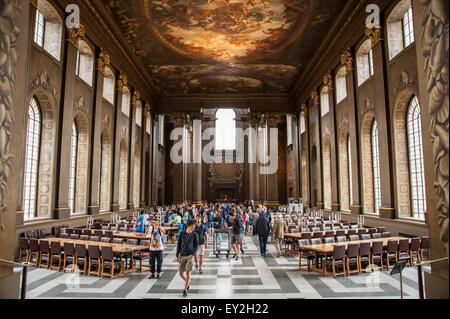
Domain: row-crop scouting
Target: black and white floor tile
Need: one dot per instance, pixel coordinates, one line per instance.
(251, 277)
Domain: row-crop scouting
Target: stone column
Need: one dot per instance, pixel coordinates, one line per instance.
(315, 140)
(103, 60)
(188, 163)
(62, 210)
(253, 156)
(197, 158)
(272, 179)
(308, 200)
(335, 198)
(431, 24)
(155, 161)
(262, 176)
(121, 83)
(178, 178)
(135, 99)
(356, 205)
(148, 186)
(387, 209)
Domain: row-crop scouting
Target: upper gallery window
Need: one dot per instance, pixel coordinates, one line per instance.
(148, 125)
(324, 101)
(73, 167)
(225, 129)
(302, 123)
(400, 28)
(376, 167)
(108, 85)
(85, 62)
(364, 62)
(126, 101)
(341, 84)
(289, 129)
(48, 29)
(139, 114)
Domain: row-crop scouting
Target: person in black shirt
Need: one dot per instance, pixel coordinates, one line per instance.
(187, 248)
(202, 232)
(234, 226)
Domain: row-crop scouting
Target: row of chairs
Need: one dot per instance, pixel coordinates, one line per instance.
(37, 233)
(359, 254)
(93, 260)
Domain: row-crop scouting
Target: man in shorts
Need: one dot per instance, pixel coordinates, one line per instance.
(202, 233)
(187, 248)
(234, 225)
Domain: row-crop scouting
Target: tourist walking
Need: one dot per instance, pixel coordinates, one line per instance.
(156, 250)
(263, 229)
(202, 233)
(187, 247)
(279, 227)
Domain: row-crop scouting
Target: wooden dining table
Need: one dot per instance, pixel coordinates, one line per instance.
(143, 236)
(327, 249)
(119, 249)
(299, 235)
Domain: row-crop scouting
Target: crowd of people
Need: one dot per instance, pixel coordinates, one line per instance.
(198, 223)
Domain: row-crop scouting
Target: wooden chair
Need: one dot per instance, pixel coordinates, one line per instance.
(352, 258)
(377, 236)
(425, 248)
(391, 253)
(142, 255)
(105, 240)
(341, 239)
(304, 254)
(328, 240)
(56, 255)
(403, 250)
(337, 259)
(69, 256)
(74, 236)
(84, 237)
(386, 234)
(94, 238)
(377, 253)
(364, 236)
(108, 262)
(24, 249)
(81, 257)
(94, 260)
(364, 255)
(414, 251)
(353, 238)
(44, 253)
(34, 251)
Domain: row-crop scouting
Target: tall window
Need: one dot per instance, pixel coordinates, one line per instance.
(376, 167)
(371, 69)
(408, 28)
(108, 85)
(139, 114)
(126, 102)
(73, 167)
(39, 28)
(225, 129)
(416, 167)
(31, 160)
(324, 102)
(364, 62)
(85, 62)
(350, 180)
(341, 84)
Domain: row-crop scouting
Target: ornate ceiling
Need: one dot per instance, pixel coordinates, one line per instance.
(225, 46)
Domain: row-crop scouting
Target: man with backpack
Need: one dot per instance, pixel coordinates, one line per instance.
(263, 229)
(156, 249)
(202, 232)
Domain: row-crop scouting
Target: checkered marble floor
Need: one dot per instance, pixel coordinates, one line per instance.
(251, 277)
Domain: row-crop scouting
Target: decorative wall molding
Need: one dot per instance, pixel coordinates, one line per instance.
(80, 106)
(42, 80)
(74, 35)
(347, 60)
(374, 35)
(435, 51)
(9, 31)
(103, 60)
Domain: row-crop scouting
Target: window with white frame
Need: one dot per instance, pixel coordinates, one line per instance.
(364, 62)
(148, 124)
(289, 129)
(32, 149)
(139, 114)
(225, 129)
(48, 29)
(349, 163)
(73, 167)
(161, 129)
(108, 85)
(324, 102)
(376, 167)
(302, 123)
(126, 102)
(416, 164)
(400, 28)
(39, 28)
(341, 84)
(85, 62)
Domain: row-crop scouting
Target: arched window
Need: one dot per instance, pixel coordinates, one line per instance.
(326, 152)
(324, 101)
(126, 101)
(73, 167)
(137, 177)
(31, 160)
(123, 176)
(48, 29)
(85, 62)
(376, 167)
(349, 161)
(225, 129)
(416, 167)
(105, 171)
(302, 123)
(364, 62)
(108, 85)
(341, 84)
(400, 28)
(139, 114)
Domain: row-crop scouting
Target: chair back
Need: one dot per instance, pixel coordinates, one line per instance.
(98, 233)
(34, 244)
(364, 249)
(42, 233)
(74, 236)
(341, 239)
(44, 246)
(364, 236)
(425, 242)
(23, 243)
(78, 231)
(340, 233)
(415, 244)
(352, 232)
(84, 237)
(353, 250)
(64, 235)
(118, 241)
(392, 246)
(354, 227)
(109, 234)
(316, 241)
(132, 242)
(104, 227)
(339, 252)
(94, 251)
(303, 242)
(381, 229)
(56, 248)
(105, 240)
(377, 248)
(145, 243)
(328, 240)
(345, 227)
(80, 250)
(403, 245)
(318, 235)
(107, 253)
(329, 233)
(305, 230)
(69, 231)
(354, 237)
(386, 234)
(94, 238)
(377, 236)
(69, 249)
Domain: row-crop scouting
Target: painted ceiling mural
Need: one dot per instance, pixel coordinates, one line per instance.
(225, 46)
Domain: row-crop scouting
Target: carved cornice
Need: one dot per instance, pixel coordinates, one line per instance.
(34, 3)
(328, 81)
(177, 118)
(103, 60)
(122, 82)
(315, 98)
(374, 35)
(147, 110)
(74, 35)
(272, 119)
(135, 98)
(347, 60)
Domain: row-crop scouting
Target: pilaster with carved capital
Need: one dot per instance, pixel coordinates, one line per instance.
(74, 35)
(103, 60)
(347, 60)
(374, 35)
